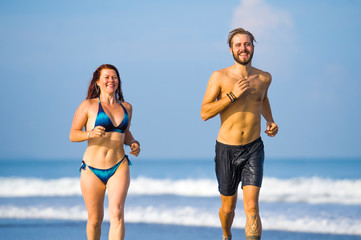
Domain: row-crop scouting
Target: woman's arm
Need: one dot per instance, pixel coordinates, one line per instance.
(80, 118)
(128, 138)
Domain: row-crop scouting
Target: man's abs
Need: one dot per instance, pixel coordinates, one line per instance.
(239, 128)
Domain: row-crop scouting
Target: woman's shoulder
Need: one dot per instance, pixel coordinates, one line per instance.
(87, 103)
(127, 106)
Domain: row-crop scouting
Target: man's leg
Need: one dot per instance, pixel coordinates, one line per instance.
(226, 213)
(253, 227)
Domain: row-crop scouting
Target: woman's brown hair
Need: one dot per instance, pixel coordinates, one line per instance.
(94, 91)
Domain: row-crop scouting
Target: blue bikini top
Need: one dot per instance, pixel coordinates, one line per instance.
(104, 121)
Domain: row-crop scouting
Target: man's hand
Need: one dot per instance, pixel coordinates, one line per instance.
(272, 129)
(240, 87)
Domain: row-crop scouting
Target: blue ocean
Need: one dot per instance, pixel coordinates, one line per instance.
(305, 199)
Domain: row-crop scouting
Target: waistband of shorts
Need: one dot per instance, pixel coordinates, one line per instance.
(239, 146)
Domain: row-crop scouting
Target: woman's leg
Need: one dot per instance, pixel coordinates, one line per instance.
(93, 192)
(118, 186)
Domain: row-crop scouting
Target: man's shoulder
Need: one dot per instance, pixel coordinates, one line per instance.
(263, 75)
(221, 77)
(221, 73)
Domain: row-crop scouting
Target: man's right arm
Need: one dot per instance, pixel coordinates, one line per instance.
(210, 105)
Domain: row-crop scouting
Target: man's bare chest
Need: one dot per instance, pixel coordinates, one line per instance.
(255, 92)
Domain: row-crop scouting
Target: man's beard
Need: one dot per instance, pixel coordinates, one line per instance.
(236, 58)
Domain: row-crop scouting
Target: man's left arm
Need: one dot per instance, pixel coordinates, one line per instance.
(272, 128)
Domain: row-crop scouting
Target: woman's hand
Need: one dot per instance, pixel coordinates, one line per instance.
(135, 148)
(97, 132)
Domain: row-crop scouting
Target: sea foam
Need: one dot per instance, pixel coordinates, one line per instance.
(309, 190)
(190, 216)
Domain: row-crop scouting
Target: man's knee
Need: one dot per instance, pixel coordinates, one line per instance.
(251, 208)
(229, 204)
(228, 209)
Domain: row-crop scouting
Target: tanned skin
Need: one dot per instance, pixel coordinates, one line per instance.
(240, 121)
(104, 150)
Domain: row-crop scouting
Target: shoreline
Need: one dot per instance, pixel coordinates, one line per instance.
(60, 229)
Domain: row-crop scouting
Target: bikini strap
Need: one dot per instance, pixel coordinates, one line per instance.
(129, 162)
(83, 166)
(120, 104)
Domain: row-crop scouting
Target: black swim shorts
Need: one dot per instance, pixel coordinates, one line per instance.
(239, 163)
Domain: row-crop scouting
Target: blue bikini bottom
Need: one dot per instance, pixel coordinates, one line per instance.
(104, 174)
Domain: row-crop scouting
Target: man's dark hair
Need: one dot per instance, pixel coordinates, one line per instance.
(239, 31)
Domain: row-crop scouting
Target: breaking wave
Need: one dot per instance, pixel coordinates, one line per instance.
(308, 190)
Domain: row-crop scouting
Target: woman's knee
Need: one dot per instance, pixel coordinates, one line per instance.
(95, 222)
(116, 214)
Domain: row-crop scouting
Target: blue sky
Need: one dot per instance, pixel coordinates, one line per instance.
(165, 52)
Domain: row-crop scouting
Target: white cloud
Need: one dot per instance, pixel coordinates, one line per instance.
(260, 18)
(273, 30)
